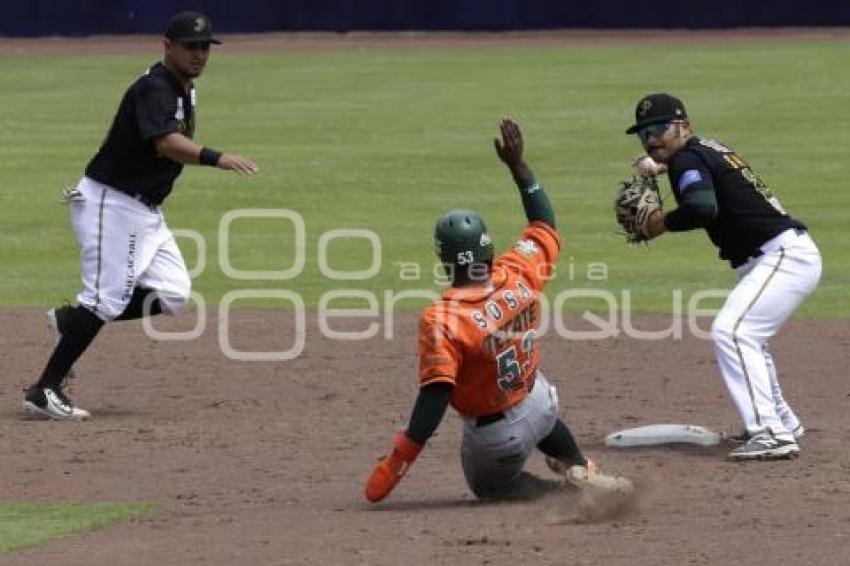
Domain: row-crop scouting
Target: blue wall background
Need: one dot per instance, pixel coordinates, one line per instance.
(88, 17)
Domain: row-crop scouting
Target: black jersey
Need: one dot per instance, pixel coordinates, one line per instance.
(748, 213)
(154, 105)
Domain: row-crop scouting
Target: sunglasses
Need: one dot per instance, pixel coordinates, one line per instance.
(653, 130)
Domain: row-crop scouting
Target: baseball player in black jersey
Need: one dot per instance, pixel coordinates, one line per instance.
(130, 263)
(776, 262)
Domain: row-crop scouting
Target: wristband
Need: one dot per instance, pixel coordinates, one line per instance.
(209, 156)
(406, 448)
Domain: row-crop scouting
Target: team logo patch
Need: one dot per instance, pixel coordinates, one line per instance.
(485, 240)
(200, 24)
(645, 105)
(688, 178)
(526, 247)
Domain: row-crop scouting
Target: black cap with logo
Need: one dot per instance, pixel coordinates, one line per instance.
(655, 108)
(190, 27)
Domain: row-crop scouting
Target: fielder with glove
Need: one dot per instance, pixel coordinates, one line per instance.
(637, 204)
(776, 262)
(478, 350)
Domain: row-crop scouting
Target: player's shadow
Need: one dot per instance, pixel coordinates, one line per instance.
(97, 414)
(423, 505)
(115, 412)
(713, 452)
(527, 487)
(679, 449)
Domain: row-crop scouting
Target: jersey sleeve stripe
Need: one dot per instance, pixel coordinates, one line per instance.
(437, 379)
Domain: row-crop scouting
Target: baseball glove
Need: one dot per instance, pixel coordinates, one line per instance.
(636, 200)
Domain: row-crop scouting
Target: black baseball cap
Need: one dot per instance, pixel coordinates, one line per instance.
(655, 108)
(190, 27)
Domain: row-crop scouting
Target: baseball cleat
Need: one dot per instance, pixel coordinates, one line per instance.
(798, 433)
(55, 321)
(765, 446)
(563, 469)
(52, 404)
(588, 478)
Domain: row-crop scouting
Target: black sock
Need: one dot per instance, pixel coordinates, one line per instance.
(561, 445)
(80, 326)
(135, 308)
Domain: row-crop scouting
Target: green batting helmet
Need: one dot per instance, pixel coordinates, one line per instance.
(461, 238)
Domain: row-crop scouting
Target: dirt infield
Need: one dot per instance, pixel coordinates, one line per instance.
(309, 41)
(264, 463)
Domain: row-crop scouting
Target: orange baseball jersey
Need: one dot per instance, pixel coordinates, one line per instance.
(482, 338)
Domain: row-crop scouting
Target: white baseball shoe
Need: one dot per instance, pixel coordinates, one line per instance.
(52, 404)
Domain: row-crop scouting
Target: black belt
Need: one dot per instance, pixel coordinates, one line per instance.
(759, 252)
(485, 420)
(489, 419)
(145, 200)
(739, 262)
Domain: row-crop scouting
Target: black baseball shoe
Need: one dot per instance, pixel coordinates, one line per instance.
(765, 446)
(52, 404)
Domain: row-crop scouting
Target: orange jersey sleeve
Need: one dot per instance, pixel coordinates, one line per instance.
(440, 357)
(533, 256)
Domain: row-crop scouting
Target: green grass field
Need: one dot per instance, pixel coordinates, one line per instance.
(388, 140)
(29, 523)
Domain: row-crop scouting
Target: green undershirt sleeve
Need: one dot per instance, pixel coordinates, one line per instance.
(697, 208)
(428, 411)
(535, 201)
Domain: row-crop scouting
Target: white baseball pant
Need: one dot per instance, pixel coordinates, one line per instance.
(769, 289)
(124, 244)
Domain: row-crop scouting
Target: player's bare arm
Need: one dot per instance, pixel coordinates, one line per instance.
(182, 149)
(510, 151)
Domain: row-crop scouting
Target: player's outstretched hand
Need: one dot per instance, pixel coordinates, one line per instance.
(392, 467)
(509, 149)
(238, 163)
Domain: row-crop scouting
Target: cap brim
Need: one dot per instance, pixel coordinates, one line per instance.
(196, 39)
